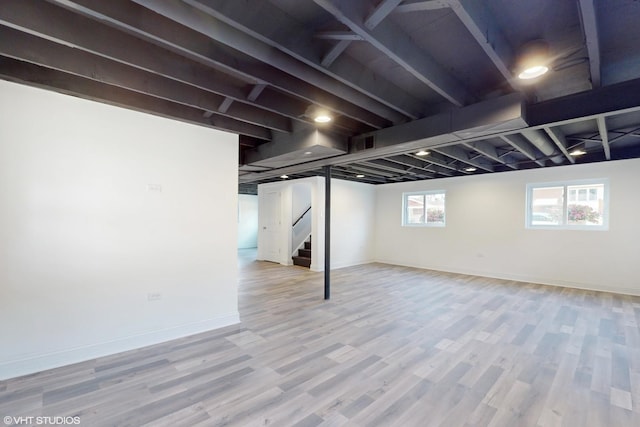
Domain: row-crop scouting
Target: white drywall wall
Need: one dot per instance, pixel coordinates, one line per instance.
(247, 221)
(485, 231)
(352, 221)
(102, 209)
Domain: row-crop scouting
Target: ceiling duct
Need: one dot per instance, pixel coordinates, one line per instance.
(476, 121)
(485, 118)
(542, 142)
(305, 144)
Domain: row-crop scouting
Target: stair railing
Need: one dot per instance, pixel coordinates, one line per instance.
(301, 230)
(301, 216)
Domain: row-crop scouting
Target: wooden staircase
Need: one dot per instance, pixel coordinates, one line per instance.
(303, 258)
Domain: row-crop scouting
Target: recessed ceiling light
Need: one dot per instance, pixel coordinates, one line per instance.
(577, 152)
(533, 72)
(470, 169)
(284, 176)
(307, 153)
(322, 118)
(422, 153)
(360, 175)
(533, 60)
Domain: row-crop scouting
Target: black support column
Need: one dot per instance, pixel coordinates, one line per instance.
(327, 232)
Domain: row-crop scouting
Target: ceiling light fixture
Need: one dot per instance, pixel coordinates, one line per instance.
(533, 60)
(533, 72)
(470, 169)
(360, 175)
(322, 118)
(422, 153)
(284, 176)
(318, 114)
(578, 151)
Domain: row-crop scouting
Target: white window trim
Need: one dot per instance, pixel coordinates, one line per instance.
(566, 184)
(405, 196)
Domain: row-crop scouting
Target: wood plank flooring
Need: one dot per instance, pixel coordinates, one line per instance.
(394, 346)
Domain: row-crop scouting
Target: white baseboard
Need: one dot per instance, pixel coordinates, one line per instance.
(56, 359)
(334, 266)
(337, 265)
(525, 279)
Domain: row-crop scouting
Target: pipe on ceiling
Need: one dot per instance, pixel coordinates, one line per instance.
(542, 142)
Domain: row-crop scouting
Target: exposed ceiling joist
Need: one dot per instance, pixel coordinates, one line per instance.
(69, 84)
(165, 32)
(379, 13)
(255, 35)
(25, 47)
(35, 17)
(399, 47)
(604, 137)
(256, 91)
(386, 165)
(419, 164)
(225, 104)
(522, 146)
(262, 68)
(396, 168)
(372, 168)
(384, 8)
(458, 153)
(488, 150)
(337, 35)
(560, 140)
(623, 134)
(542, 143)
(590, 27)
(436, 159)
(482, 26)
(420, 6)
(334, 52)
(346, 173)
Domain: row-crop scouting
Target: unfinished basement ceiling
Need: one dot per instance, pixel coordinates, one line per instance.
(396, 76)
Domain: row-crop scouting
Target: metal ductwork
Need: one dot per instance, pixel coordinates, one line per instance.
(476, 121)
(304, 144)
(485, 118)
(543, 143)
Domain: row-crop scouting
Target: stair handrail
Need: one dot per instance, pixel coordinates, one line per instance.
(301, 216)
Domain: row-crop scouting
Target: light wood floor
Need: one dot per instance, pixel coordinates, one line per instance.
(394, 346)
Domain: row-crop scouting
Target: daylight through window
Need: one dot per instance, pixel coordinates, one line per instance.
(569, 205)
(424, 209)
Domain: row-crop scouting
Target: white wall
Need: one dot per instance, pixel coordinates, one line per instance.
(300, 199)
(352, 221)
(247, 221)
(485, 232)
(84, 238)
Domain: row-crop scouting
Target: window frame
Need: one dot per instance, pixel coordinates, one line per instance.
(405, 198)
(565, 203)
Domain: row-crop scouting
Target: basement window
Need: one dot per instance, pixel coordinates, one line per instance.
(425, 208)
(572, 205)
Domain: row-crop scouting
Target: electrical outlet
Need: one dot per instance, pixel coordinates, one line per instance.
(154, 296)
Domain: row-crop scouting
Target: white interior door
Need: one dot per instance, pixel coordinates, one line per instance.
(272, 226)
